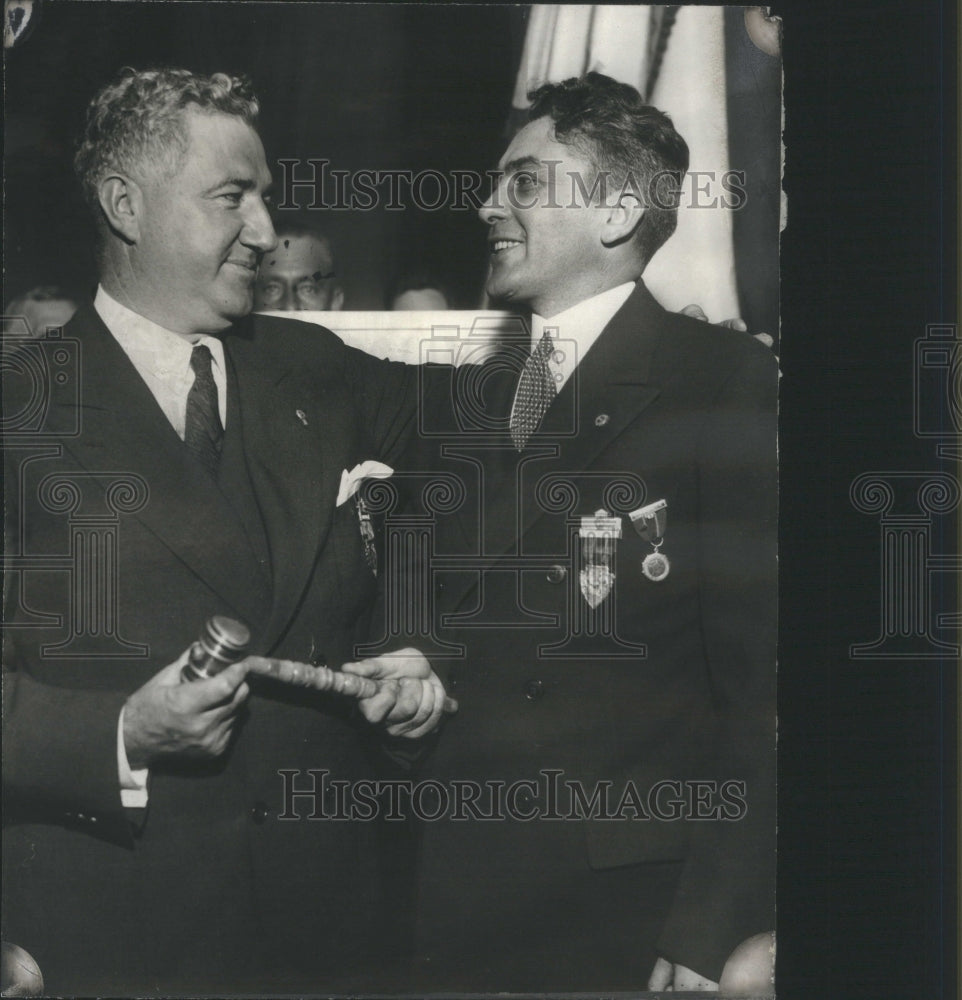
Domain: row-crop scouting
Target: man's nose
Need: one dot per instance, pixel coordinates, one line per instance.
(258, 233)
(492, 210)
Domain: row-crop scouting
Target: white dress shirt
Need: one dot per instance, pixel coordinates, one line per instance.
(576, 330)
(162, 360)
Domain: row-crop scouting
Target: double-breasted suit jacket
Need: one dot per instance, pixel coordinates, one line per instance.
(666, 688)
(119, 548)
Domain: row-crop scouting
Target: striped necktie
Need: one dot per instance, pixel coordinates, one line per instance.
(203, 431)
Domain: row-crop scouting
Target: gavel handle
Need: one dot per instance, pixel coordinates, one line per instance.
(306, 675)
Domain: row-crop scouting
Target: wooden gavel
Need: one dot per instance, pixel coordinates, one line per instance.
(324, 679)
(226, 640)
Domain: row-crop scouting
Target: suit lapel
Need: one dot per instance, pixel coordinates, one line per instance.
(614, 384)
(124, 431)
(293, 469)
(608, 391)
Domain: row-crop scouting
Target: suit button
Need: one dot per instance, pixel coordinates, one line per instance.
(533, 690)
(259, 813)
(556, 574)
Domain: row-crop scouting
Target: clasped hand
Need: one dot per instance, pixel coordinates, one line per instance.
(410, 699)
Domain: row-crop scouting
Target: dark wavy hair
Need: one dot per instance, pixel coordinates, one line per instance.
(138, 118)
(633, 143)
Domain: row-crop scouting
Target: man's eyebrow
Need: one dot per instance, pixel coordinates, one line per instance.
(244, 183)
(520, 163)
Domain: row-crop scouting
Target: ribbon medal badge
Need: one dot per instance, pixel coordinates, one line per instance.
(599, 535)
(350, 486)
(651, 522)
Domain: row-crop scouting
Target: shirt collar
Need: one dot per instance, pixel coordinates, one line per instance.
(584, 321)
(151, 346)
(576, 329)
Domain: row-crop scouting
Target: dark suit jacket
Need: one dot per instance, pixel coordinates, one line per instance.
(208, 891)
(681, 689)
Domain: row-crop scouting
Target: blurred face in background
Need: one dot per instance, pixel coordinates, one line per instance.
(298, 275)
(38, 314)
(420, 299)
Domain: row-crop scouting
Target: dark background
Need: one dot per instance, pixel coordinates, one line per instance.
(868, 853)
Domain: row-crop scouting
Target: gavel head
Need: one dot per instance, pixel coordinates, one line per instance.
(223, 641)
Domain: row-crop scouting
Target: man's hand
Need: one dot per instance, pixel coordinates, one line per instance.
(667, 978)
(167, 717)
(696, 312)
(410, 698)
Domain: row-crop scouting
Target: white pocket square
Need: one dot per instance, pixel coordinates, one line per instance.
(350, 481)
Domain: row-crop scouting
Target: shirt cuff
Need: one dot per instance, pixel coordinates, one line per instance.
(133, 784)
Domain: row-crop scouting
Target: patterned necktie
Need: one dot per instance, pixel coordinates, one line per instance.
(203, 432)
(536, 390)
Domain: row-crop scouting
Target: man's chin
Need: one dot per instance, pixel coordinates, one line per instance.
(501, 291)
(237, 307)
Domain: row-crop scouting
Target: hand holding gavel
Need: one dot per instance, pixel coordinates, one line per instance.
(168, 717)
(398, 689)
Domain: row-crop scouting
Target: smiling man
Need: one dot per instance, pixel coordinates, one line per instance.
(627, 655)
(190, 463)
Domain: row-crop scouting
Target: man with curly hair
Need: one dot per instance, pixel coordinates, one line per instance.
(637, 674)
(150, 848)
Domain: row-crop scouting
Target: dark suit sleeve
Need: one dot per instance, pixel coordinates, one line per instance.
(59, 743)
(726, 890)
(396, 401)
(386, 399)
(60, 754)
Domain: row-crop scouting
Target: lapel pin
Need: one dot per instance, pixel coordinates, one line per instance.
(302, 416)
(651, 522)
(601, 419)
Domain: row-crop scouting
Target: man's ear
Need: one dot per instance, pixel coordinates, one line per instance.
(337, 300)
(122, 202)
(623, 219)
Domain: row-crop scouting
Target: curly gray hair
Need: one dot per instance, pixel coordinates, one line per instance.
(138, 118)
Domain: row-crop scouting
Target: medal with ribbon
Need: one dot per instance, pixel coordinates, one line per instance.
(650, 522)
(599, 535)
(367, 533)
